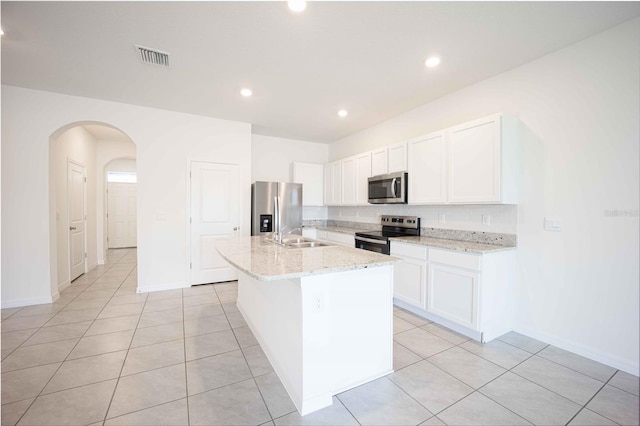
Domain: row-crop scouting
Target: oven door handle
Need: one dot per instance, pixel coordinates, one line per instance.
(369, 240)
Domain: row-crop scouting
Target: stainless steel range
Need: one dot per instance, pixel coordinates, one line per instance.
(392, 226)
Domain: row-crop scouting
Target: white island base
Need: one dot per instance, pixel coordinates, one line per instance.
(323, 334)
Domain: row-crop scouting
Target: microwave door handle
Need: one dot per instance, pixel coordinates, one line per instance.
(393, 188)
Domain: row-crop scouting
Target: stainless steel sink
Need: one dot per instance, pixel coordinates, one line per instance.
(296, 240)
(307, 244)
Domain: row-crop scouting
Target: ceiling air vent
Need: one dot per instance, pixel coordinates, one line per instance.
(153, 56)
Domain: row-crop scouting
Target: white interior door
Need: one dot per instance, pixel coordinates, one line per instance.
(76, 219)
(122, 199)
(215, 215)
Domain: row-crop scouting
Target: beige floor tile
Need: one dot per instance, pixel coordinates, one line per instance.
(257, 360)
(198, 290)
(477, 409)
(381, 402)
(275, 395)
(627, 382)
(79, 305)
(83, 405)
(202, 299)
(245, 337)
(7, 312)
(167, 294)
(210, 344)
(206, 325)
(12, 412)
(237, 404)
(578, 363)
(126, 300)
(589, 418)
(506, 356)
(153, 356)
(400, 325)
(572, 385)
(13, 339)
(332, 415)
(411, 318)
(216, 371)
(74, 316)
(58, 332)
(49, 308)
(617, 405)
(202, 311)
(229, 307)
(111, 325)
(422, 342)
(158, 334)
(31, 356)
(150, 319)
(227, 295)
(148, 389)
(430, 386)
(94, 293)
(170, 414)
(523, 342)
(163, 304)
(121, 310)
(535, 403)
(433, 421)
(23, 384)
(85, 371)
(403, 357)
(102, 343)
(467, 367)
(236, 320)
(24, 323)
(445, 333)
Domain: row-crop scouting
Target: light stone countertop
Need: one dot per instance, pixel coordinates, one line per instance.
(340, 229)
(465, 246)
(266, 261)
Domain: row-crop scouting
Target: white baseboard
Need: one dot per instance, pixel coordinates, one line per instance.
(163, 287)
(18, 303)
(63, 286)
(579, 349)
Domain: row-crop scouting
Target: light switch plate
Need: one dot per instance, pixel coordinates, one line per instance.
(554, 225)
(441, 218)
(486, 219)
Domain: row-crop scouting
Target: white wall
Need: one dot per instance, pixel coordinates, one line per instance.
(272, 157)
(121, 166)
(107, 151)
(579, 108)
(78, 145)
(166, 141)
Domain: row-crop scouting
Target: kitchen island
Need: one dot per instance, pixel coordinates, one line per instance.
(322, 315)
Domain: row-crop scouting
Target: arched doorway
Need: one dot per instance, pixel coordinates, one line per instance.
(78, 153)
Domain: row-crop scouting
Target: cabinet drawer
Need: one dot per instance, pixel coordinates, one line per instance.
(408, 250)
(321, 234)
(337, 237)
(451, 258)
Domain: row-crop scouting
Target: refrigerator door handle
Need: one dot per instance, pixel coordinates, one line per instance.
(276, 225)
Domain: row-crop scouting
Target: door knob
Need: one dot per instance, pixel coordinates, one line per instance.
(235, 228)
(72, 228)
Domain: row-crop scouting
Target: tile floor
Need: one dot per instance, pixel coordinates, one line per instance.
(103, 354)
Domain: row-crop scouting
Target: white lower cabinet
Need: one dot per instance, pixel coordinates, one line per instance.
(469, 293)
(336, 237)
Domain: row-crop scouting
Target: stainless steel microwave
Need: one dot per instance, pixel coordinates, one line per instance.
(388, 189)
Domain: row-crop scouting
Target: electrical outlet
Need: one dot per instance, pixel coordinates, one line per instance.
(486, 219)
(441, 218)
(554, 225)
(318, 302)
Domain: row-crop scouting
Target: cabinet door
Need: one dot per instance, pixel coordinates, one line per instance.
(453, 294)
(397, 158)
(348, 181)
(337, 183)
(363, 173)
(342, 239)
(427, 167)
(311, 176)
(409, 281)
(379, 162)
(328, 185)
(474, 161)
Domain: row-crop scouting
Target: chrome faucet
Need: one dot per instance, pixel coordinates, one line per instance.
(279, 236)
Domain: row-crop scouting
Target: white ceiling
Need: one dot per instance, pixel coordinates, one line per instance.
(366, 57)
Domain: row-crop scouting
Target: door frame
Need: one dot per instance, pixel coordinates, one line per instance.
(84, 213)
(188, 213)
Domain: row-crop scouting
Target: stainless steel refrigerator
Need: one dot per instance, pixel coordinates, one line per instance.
(276, 207)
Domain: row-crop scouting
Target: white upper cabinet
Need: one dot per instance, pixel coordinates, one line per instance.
(484, 161)
(427, 163)
(311, 176)
(348, 181)
(397, 158)
(379, 162)
(332, 184)
(363, 173)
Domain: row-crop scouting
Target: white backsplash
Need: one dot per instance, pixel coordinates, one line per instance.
(315, 213)
(503, 218)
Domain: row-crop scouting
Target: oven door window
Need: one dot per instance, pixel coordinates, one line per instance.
(381, 248)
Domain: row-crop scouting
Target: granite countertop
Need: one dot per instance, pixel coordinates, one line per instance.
(266, 261)
(465, 246)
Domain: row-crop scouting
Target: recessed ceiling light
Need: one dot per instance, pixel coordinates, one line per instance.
(431, 62)
(246, 92)
(297, 5)
(343, 113)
